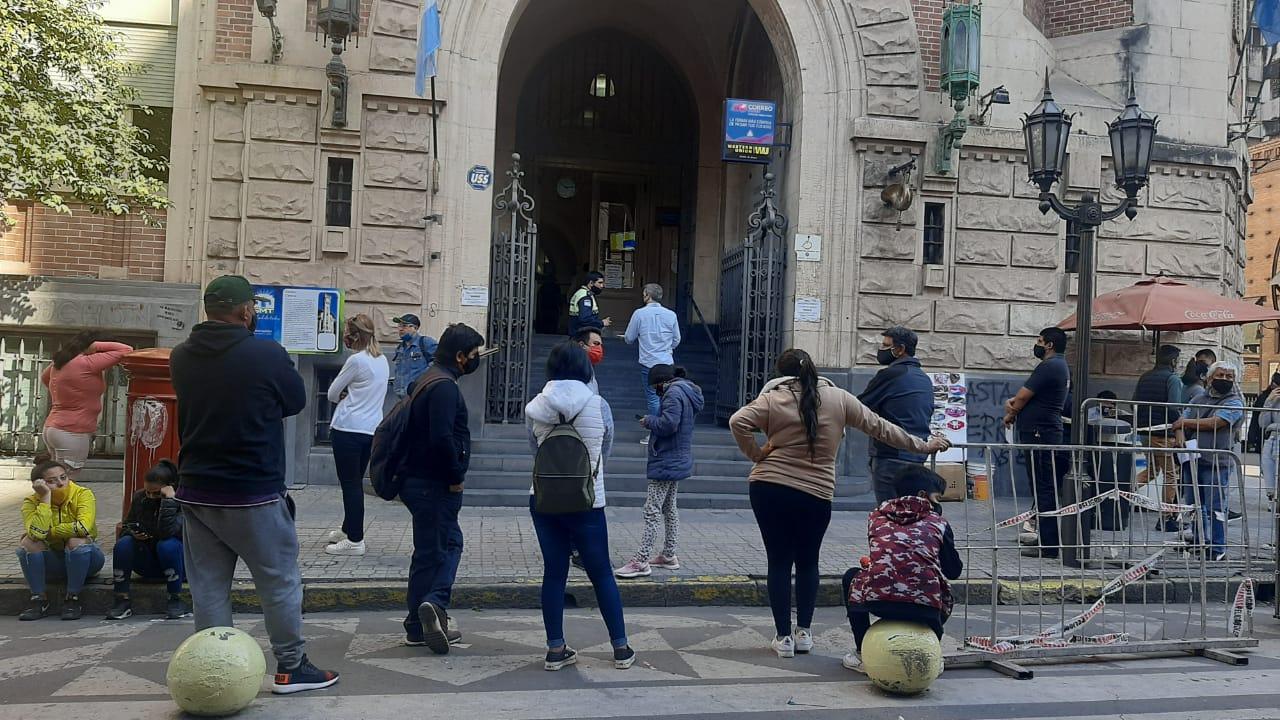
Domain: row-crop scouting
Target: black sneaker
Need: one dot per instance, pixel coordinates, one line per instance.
(557, 659)
(175, 609)
(433, 628)
(71, 608)
(413, 637)
(1232, 516)
(304, 677)
(121, 610)
(451, 631)
(623, 657)
(36, 609)
(1169, 525)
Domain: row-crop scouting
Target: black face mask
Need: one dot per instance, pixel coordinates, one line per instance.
(1038, 351)
(884, 356)
(1222, 387)
(473, 364)
(253, 322)
(596, 290)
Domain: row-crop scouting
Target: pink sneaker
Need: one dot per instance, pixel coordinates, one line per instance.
(666, 563)
(635, 568)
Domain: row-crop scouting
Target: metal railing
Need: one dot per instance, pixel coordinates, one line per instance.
(24, 401)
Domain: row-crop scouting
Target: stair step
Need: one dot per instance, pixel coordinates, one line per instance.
(615, 465)
(479, 497)
(481, 447)
(626, 430)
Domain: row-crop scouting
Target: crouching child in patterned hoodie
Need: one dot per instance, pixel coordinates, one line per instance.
(913, 554)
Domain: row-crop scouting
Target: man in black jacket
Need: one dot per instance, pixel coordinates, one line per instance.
(434, 471)
(1153, 423)
(902, 394)
(234, 391)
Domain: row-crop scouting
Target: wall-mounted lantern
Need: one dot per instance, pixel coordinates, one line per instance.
(338, 20)
(268, 10)
(961, 71)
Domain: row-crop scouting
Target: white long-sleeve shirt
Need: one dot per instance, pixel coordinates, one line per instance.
(364, 377)
(657, 330)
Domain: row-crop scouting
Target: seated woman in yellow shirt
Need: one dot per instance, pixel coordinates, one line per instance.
(59, 524)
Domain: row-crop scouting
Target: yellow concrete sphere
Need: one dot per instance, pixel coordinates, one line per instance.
(901, 657)
(217, 671)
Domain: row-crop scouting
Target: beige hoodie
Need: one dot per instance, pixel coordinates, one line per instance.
(776, 413)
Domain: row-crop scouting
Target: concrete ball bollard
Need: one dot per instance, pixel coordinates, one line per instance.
(902, 658)
(216, 672)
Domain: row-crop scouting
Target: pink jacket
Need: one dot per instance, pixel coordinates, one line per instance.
(75, 389)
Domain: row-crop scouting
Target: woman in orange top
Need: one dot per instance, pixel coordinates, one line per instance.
(76, 384)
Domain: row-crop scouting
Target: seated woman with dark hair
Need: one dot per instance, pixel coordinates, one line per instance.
(150, 542)
(59, 526)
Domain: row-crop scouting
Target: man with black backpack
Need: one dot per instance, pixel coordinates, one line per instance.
(413, 354)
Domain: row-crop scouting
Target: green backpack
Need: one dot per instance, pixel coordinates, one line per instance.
(563, 479)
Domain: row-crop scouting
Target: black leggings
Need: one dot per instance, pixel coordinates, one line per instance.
(860, 615)
(792, 524)
(351, 456)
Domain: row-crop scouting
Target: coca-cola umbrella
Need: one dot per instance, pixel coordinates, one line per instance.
(1162, 304)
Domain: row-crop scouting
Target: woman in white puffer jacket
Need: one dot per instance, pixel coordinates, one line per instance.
(566, 394)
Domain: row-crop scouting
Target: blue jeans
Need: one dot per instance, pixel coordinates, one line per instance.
(589, 532)
(1214, 487)
(883, 472)
(650, 395)
(39, 568)
(437, 545)
(152, 560)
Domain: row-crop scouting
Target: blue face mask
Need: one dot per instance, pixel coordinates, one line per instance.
(407, 334)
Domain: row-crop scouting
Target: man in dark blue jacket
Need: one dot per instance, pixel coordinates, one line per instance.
(234, 391)
(902, 394)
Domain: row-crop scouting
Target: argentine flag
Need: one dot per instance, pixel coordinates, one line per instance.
(1266, 13)
(428, 46)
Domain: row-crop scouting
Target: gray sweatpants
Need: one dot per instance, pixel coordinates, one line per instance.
(264, 537)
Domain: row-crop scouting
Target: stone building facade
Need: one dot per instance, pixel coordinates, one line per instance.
(1262, 341)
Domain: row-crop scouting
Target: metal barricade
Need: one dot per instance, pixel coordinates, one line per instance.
(1129, 587)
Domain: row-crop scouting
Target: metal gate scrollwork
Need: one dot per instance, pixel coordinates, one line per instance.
(752, 278)
(515, 245)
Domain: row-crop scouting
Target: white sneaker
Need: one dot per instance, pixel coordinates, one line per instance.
(852, 662)
(784, 646)
(345, 547)
(336, 536)
(804, 640)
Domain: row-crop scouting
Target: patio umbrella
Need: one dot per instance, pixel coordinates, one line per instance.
(1163, 304)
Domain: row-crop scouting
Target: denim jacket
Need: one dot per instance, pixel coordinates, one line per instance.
(412, 358)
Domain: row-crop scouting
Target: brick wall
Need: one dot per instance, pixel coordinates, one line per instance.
(928, 14)
(234, 31)
(1059, 18)
(1263, 233)
(81, 244)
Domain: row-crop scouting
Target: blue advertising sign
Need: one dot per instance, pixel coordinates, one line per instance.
(304, 320)
(749, 127)
(479, 177)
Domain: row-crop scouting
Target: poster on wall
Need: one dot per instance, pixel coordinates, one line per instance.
(305, 320)
(950, 412)
(749, 127)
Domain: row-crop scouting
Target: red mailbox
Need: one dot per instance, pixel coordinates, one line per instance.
(151, 417)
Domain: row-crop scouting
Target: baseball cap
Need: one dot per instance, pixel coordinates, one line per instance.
(229, 290)
(407, 319)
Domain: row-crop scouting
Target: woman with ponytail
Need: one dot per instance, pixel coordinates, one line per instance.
(803, 418)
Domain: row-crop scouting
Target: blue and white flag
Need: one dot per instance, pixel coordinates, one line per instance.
(428, 46)
(1266, 13)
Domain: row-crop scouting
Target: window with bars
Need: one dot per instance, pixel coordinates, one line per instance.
(934, 229)
(324, 408)
(1072, 261)
(337, 206)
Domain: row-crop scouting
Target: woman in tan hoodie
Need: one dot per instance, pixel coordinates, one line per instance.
(803, 418)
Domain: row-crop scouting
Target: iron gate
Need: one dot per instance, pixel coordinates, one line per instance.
(512, 257)
(752, 277)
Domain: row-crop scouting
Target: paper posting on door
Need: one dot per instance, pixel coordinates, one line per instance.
(808, 309)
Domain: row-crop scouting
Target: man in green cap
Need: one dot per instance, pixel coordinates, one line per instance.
(234, 391)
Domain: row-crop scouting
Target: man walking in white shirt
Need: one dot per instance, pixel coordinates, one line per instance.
(655, 327)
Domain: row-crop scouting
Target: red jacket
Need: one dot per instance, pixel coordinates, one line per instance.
(913, 554)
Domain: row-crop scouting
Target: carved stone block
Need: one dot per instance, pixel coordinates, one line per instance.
(1029, 320)
(271, 161)
(1122, 257)
(278, 239)
(1184, 261)
(222, 239)
(390, 246)
(998, 353)
(381, 284)
(1035, 251)
(276, 272)
(1127, 358)
(980, 248)
(882, 312)
(888, 38)
(396, 169)
(224, 200)
(893, 101)
(1185, 193)
(217, 268)
(888, 278)
(225, 161)
(228, 122)
(279, 200)
(1109, 282)
(893, 69)
(938, 350)
(876, 166)
(978, 177)
(397, 131)
(398, 208)
(888, 243)
(1017, 216)
(284, 122)
(874, 210)
(874, 12)
(393, 54)
(983, 318)
(397, 20)
(1024, 285)
(1170, 226)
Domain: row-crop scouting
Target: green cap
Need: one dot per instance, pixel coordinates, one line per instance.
(229, 290)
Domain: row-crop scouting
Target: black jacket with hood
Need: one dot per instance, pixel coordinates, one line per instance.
(234, 390)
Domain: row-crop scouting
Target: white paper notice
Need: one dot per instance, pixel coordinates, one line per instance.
(475, 296)
(613, 275)
(809, 248)
(299, 329)
(808, 309)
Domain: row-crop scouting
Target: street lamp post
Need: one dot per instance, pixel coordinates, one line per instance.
(1047, 130)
